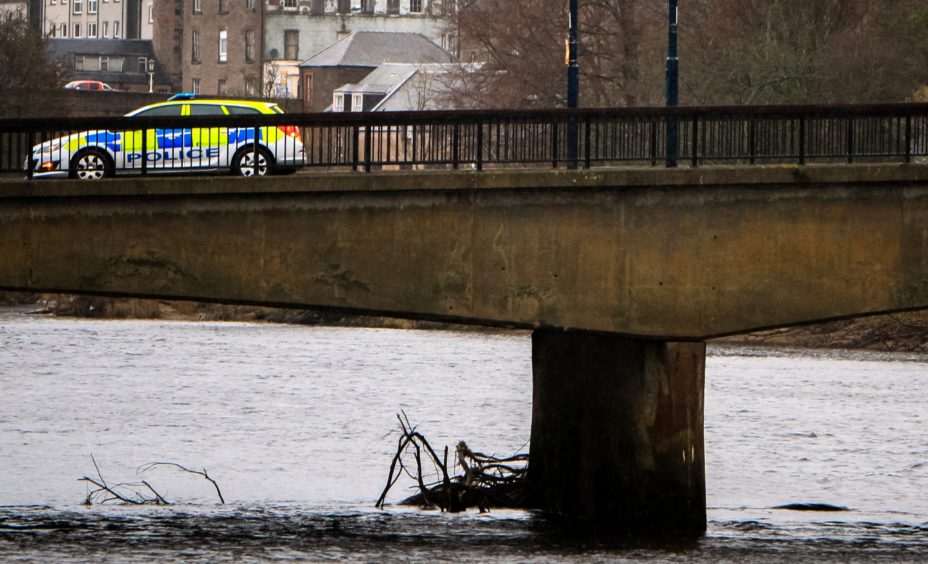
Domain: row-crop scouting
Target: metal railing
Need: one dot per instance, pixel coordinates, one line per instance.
(493, 139)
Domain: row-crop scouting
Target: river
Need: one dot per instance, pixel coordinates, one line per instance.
(296, 425)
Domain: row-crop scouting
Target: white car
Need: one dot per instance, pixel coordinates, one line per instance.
(91, 155)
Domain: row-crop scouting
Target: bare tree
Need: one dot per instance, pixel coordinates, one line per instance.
(732, 52)
(25, 61)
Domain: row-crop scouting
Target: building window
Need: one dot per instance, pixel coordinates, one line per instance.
(339, 102)
(52, 2)
(357, 102)
(251, 86)
(223, 7)
(195, 85)
(249, 45)
(51, 31)
(63, 29)
(77, 30)
(344, 7)
(291, 44)
(195, 47)
(106, 30)
(290, 4)
(142, 65)
(223, 46)
(104, 61)
(221, 87)
(151, 12)
(415, 6)
(78, 6)
(318, 7)
(91, 29)
(91, 6)
(367, 6)
(197, 6)
(115, 30)
(393, 6)
(250, 4)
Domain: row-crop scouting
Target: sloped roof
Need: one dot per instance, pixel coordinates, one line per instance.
(373, 48)
(125, 47)
(382, 80)
(408, 87)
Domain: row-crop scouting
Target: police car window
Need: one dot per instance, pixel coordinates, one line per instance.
(241, 111)
(205, 110)
(161, 111)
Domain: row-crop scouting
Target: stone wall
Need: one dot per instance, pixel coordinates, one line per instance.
(71, 103)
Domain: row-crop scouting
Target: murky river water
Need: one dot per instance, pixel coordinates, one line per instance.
(294, 424)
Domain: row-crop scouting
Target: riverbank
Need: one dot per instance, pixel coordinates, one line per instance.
(900, 332)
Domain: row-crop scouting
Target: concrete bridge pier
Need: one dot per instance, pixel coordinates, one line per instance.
(617, 430)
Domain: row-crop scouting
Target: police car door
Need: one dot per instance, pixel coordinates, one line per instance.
(208, 145)
(159, 143)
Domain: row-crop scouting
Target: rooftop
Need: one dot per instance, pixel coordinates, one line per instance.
(373, 48)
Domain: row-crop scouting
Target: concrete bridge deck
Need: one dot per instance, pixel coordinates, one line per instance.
(681, 254)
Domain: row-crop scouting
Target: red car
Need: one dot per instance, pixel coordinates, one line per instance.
(94, 85)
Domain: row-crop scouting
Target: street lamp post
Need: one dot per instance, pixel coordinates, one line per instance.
(573, 84)
(673, 63)
(151, 75)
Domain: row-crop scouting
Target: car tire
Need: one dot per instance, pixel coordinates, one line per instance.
(243, 162)
(91, 164)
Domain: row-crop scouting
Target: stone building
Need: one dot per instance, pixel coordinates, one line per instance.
(295, 30)
(14, 10)
(98, 19)
(211, 47)
(29, 10)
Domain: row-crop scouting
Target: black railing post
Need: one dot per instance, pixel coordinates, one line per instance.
(802, 140)
(368, 149)
(850, 140)
(355, 142)
(908, 138)
(479, 146)
(653, 142)
(573, 81)
(254, 148)
(455, 146)
(587, 138)
(31, 168)
(145, 151)
(694, 142)
(555, 131)
(672, 79)
(752, 139)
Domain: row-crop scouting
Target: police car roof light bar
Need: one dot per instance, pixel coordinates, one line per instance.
(183, 96)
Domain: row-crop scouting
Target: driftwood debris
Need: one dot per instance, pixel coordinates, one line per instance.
(134, 493)
(485, 481)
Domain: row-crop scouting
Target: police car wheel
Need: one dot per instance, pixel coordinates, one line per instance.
(91, 164)
(244, 163)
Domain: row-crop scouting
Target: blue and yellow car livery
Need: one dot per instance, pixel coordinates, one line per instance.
(91, 155)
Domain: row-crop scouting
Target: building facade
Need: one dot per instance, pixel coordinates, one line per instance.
(220, 47)
(14, 10)
(98, 19)
(295, 30)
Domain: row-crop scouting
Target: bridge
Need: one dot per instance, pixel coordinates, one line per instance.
(621, 274)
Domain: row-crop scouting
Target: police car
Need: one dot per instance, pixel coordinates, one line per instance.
(91, 155)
